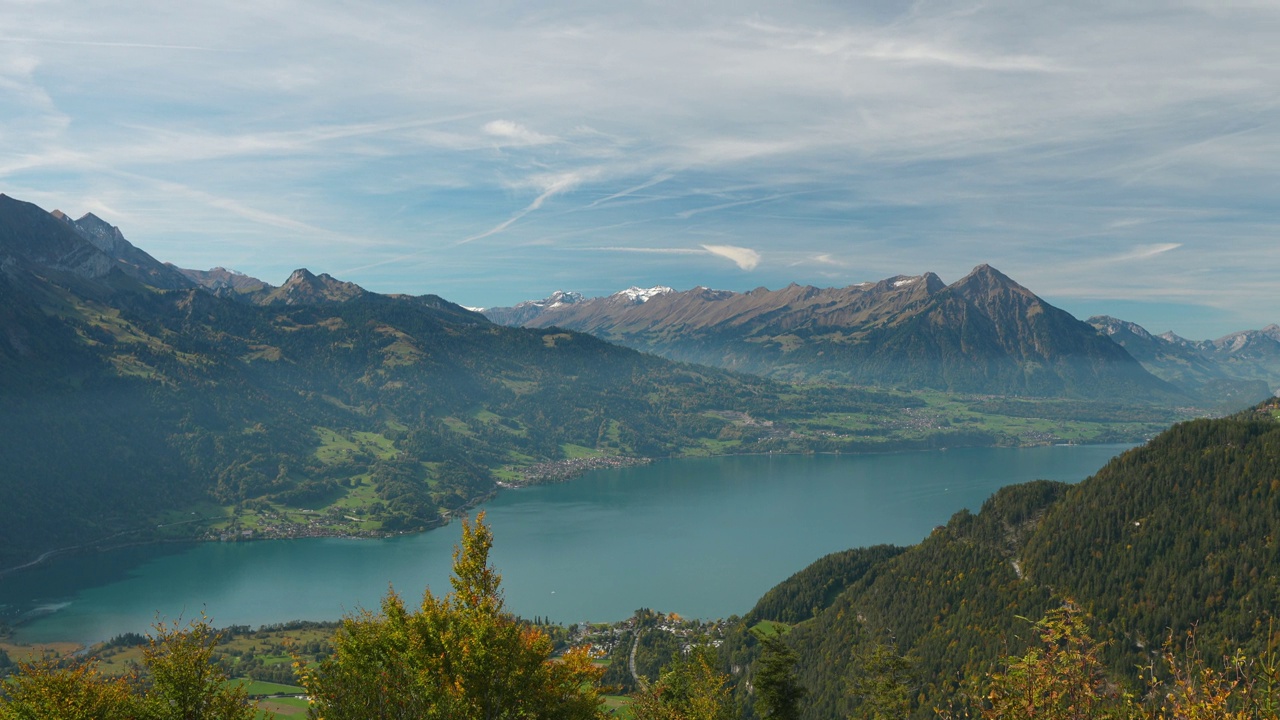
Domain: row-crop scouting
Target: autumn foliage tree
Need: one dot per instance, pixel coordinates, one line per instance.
(459, 657)
(1062, 678)
(691, 688)
(46, 690)
(185, 681)
(180, 681)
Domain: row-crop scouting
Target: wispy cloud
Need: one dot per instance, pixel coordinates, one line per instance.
(255, 215)
(515, 134)
(655, 180)
(1145, 252)
(877, 137)
(686, 214)
(744, 258)
(551, 185)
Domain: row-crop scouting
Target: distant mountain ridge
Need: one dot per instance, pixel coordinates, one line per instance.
(523, 312)
(226, 283)
(984, 333)
(1238, 367)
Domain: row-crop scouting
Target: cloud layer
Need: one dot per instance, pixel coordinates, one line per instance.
(1093, 152)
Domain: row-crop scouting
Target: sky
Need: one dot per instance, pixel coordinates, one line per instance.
(1117, 158)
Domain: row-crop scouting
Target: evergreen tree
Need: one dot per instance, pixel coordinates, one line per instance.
(778, 691)
(883, 684)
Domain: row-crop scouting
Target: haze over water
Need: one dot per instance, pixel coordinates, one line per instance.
(704, 538)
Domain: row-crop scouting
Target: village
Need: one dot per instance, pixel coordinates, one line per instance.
(563, 470)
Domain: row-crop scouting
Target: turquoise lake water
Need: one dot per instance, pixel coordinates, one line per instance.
(704, 538)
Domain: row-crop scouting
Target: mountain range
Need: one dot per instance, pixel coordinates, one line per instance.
(1235, 367)
(132, 391)
(982, 334)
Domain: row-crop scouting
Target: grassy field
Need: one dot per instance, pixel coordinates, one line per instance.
(1042, 422)
(258, 688)
(32, 653)
(765, 628)
(336, 446)
(618, 705)
(282, 707)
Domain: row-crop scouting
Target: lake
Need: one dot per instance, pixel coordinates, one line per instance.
(701, 537)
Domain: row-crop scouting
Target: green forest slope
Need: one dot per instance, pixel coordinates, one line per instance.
(1176, 535)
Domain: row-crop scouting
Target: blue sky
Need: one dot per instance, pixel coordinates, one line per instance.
(1113, 157)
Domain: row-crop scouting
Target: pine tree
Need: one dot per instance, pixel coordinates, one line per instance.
(778, 692)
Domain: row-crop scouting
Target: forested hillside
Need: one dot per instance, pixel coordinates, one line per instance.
(1174, 536)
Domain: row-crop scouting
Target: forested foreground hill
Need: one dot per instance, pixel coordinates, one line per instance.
(1180, 534)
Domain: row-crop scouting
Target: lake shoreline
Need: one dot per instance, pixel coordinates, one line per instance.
(717, 532)
(445, 521)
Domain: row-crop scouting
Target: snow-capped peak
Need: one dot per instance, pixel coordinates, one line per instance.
(561, 297)
(555, 299)
(905, 281)
(639, 295)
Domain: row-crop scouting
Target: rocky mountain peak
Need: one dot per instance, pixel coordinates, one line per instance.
(306, 288)
(1175, 338)
(105, 236)
(228, 283)
(987, 282)
(301, 276)
(562, 297)
(1111, 327)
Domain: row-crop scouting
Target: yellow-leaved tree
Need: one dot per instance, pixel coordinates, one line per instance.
(460, 657)
(691, 688)
(181, 682)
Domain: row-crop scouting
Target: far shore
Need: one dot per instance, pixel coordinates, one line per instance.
(555, 471)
